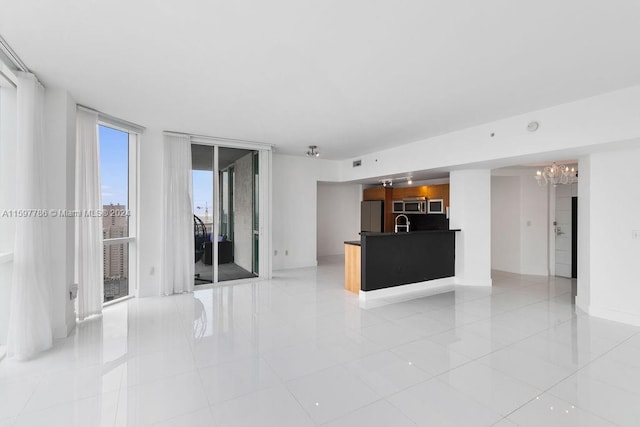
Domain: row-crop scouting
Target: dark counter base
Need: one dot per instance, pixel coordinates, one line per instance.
(394, 259)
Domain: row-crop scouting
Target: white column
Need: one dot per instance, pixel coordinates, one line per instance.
(60, 124)
(609, 249)
(583, 297)
(470, 211)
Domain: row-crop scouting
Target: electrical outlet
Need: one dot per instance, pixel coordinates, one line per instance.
(286, 252)
(152, 270)
(635, 234)
(275, 252)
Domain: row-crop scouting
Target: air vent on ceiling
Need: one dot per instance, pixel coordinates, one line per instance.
(357, 163)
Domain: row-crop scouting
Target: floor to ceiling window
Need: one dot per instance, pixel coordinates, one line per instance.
(117, 173)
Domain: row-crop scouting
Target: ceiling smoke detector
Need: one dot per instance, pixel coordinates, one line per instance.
(313, 151)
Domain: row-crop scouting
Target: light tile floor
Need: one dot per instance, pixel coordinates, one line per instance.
(299, 351)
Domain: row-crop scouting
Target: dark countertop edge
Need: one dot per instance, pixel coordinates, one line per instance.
(411, 232)
(359, 242)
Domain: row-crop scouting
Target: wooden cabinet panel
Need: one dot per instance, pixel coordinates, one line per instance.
(374, 193)
(352, 268)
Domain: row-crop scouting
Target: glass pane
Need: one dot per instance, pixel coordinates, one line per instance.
(116, 271)
(114, 174)
(202, 177)
(224, 203)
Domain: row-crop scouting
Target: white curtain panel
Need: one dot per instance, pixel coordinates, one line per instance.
(30, 324)
(177, 216)
(89, 251)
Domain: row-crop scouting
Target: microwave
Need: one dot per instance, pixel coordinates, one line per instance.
(415, 206)
(435, 206)
(398, 206)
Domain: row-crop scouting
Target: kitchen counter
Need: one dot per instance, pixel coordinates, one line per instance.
(386, 260)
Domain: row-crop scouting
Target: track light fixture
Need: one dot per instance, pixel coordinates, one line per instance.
(313, 151)
(388, 182)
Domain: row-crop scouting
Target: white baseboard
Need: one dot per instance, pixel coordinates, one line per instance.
(582, 303)
(293, 266)
(370, 299)
(614, 315)
(473, 282)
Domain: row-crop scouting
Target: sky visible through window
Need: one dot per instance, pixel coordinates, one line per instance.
(203, 193)
(114, 166)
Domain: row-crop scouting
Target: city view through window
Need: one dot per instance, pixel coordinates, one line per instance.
(114, 172)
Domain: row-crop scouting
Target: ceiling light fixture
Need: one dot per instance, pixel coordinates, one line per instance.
(313, 151)
(388, 182)
(556, 174)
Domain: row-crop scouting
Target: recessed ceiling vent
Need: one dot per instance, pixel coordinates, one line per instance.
(357, 163)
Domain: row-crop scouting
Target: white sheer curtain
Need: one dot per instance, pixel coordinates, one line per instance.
(177, 216)
(30, 325)
(89, 251)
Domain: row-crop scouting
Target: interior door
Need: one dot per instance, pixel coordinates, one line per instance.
(563, 230)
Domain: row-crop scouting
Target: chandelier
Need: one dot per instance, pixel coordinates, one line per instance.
(556, 174)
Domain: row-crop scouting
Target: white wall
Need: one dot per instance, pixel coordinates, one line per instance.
(614, 210)
(295, 208)
(338, 216)
(505, 223)
(149, 209)
(564, 130)
(243, 213)
(470, 211)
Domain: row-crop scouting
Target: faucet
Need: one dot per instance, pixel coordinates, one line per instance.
(405, 225)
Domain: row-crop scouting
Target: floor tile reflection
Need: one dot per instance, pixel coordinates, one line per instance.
(298, 350)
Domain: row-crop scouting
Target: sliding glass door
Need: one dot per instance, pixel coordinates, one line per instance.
(226, 214)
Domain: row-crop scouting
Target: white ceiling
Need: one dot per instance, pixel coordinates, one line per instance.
(349, 76)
